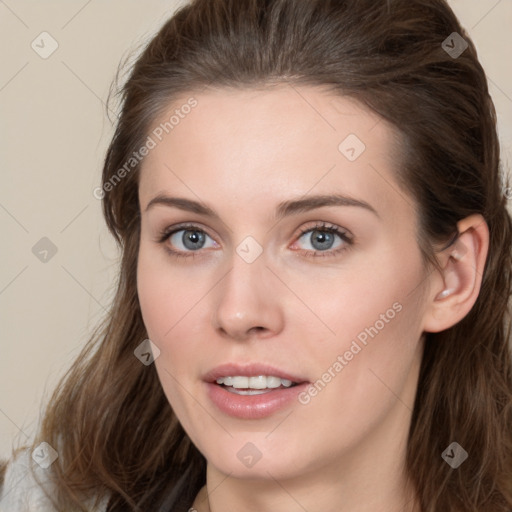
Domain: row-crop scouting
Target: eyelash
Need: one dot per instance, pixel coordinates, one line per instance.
(323, 227)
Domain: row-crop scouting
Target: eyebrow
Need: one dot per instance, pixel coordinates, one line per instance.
(284, 209)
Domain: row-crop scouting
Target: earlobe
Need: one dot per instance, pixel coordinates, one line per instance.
(456, 289)
(445, 293)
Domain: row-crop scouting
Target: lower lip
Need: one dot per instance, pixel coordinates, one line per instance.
(253, 407)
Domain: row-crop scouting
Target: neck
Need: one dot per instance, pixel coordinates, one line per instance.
(287, 496)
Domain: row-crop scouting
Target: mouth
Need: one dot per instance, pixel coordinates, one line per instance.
(261, 384)
(253, 391)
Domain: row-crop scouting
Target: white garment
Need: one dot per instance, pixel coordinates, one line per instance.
(20, 491)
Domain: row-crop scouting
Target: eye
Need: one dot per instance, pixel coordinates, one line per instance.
(185, 239)
(324, 238)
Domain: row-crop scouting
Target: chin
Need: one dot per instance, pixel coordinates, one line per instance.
(247, 458)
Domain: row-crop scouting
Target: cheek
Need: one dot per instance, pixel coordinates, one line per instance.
(174, 312)
(166, 299)
(377, 296)
(374, 318)
(154, 298)
(375, 353)
(165, 293)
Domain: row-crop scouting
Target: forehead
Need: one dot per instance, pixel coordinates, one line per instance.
(257, 146)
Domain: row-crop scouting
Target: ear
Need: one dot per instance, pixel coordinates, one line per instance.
(454, 291)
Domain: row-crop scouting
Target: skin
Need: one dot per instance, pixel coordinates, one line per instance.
(242, 152)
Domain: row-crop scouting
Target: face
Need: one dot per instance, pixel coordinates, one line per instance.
(300, 263)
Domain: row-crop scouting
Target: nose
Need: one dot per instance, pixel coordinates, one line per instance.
(248, 302)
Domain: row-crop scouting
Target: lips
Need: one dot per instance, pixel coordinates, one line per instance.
(252, 403)
(250, 370)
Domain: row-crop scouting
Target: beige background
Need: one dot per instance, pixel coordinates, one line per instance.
(54, 133)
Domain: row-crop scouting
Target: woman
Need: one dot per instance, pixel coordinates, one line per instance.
(316, 241)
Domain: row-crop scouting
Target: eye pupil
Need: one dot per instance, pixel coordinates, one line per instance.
(325, 239)
(193, 237)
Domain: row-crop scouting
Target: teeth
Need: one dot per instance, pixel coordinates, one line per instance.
(273, 382)
(240, 382)
(259, 382)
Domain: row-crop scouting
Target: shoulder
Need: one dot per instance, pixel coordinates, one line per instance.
(24, 486)
(20, 491)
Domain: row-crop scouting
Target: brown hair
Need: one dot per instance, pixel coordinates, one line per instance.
(115, 431)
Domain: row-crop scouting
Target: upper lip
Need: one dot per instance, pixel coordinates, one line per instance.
(249, 370)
